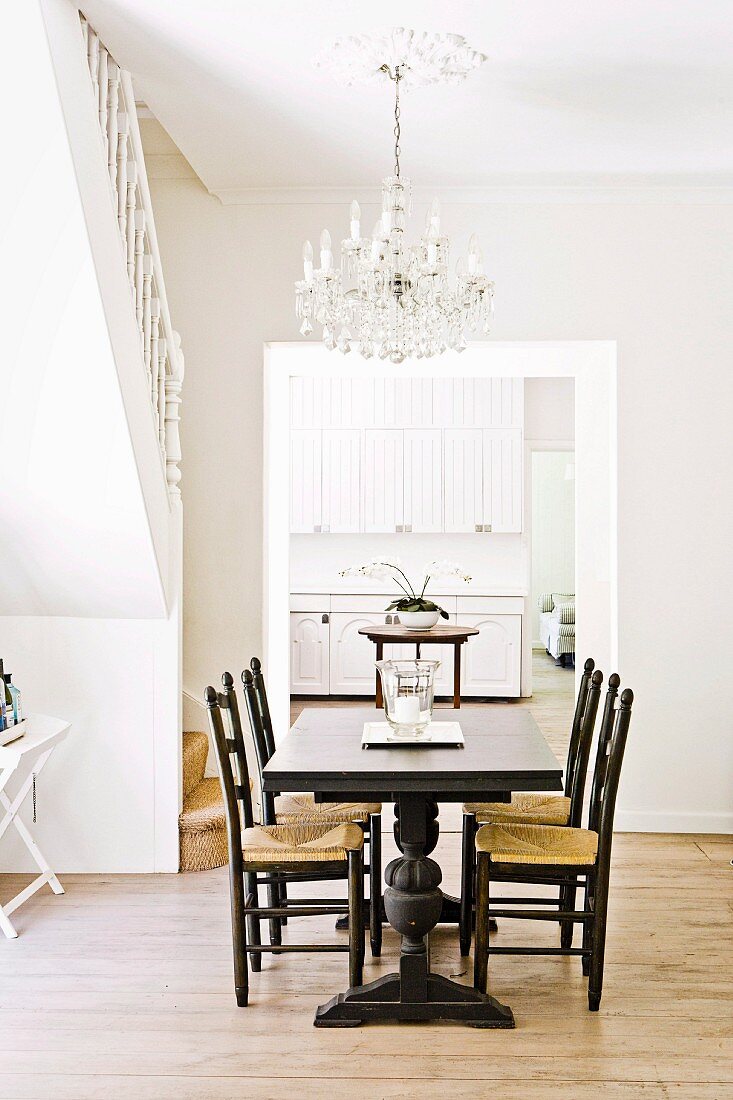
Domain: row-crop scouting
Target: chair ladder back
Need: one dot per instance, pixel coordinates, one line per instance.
(223, 749)
(228, 702)
(576, 732)
(261, 692)
(614, 760)
(585, 740)
(258, 736)
(605, 736)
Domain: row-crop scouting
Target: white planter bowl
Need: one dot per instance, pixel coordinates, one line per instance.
(418, 620)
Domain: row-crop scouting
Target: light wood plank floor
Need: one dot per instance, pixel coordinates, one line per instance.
(123, 988)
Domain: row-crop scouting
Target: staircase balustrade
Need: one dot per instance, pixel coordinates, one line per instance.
(122, 149)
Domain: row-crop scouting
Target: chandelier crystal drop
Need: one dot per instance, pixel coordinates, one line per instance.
(396, 299)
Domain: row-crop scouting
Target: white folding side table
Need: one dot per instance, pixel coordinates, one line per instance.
(25, 758)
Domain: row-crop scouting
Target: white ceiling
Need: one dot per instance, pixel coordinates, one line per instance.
(608, 91)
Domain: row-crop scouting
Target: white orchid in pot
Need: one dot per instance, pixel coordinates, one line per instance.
(416, 611)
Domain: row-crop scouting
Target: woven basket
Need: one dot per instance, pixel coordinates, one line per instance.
(202, 828)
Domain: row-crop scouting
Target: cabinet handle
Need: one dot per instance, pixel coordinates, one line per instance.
(399, 528)
(487, 528)
(388, 620)
(408, 528)
(317, 528)
(324, 618)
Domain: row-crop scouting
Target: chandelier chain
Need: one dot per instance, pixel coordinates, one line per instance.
(397, 150)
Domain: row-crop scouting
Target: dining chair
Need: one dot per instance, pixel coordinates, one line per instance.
(553, 855)
(535, 808)
(265, 854)
(302, 809)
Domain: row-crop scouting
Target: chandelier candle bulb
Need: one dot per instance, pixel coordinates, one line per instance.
(308, 261)
(355, 216)
(435, 217)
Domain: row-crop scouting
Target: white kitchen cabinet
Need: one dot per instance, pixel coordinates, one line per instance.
(383, 480)
(352, 670)
(463, 479)
(309, 653)
(502, 479)
(491, 661)
(305, 480)
(341, 480)
(423, 479)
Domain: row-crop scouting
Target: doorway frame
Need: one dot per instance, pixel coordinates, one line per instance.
(593, 366)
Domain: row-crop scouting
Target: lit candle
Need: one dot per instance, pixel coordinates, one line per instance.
(406, 710)
(308, 261)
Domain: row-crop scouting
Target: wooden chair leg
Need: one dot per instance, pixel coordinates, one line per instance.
(468, 867)
(356, 917)
(253, 922)
(273, 900)
(375, 884)
(481, 950)
(598, 944)
(568, 895)
(283, 891)
(239, 937)
(587, 929)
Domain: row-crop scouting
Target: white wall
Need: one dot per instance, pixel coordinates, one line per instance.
(491, 560)
(656, 278)
(553, 528)
(549, 409)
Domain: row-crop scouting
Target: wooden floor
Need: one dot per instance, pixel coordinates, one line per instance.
(123, 988)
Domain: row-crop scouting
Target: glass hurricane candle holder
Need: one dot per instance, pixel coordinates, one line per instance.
(408, 690)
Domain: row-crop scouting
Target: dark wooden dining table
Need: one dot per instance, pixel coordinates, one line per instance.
(504, 751)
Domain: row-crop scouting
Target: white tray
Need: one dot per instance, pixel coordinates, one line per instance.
(437, 733)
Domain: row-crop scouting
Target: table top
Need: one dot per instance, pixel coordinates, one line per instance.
(504, 751)
(39, 732)
(399, 633)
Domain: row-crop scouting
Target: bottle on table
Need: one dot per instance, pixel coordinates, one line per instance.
(3, 703)
(14, 706)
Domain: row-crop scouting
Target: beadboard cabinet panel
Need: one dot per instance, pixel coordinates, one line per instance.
(502, 479)
(423, 472)
(352, 670)
(463, 479)
(309, 653)
(341, 480)
(492, 661)
(383, 480)
(305, 480)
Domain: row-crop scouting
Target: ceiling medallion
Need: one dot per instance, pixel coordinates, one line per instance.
(395, 299)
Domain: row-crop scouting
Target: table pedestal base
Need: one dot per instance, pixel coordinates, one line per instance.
(445, 1000)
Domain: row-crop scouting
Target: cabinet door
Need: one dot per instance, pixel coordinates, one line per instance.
(305, 480)
(383, 479)
(491, 660)
(341, 479)
(502, 459)
(463, 479)
(308, 654)
(423, 460)
(352, 670)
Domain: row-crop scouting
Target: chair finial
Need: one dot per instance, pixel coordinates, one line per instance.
(597, 677)
(247, 677)
(227, 680)
(627, 697)
(589, 665)
(211, 696)
(255, 664)
(614, 681)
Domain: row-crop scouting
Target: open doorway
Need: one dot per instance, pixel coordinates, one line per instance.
(552, 565)
(588, 367)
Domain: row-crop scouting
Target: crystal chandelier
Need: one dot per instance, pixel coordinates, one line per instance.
(396, 298)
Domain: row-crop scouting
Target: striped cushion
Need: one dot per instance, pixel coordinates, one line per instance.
(567, 630)
(544, 601)
(562, 597)
(564, 612)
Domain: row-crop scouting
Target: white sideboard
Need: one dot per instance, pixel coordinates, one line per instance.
(328, 656)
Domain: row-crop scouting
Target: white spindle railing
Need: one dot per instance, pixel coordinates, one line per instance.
(122, 147)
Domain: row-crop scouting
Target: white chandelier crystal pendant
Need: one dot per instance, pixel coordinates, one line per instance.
(396, 299)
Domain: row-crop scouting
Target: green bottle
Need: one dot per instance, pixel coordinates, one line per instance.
(13, 707)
